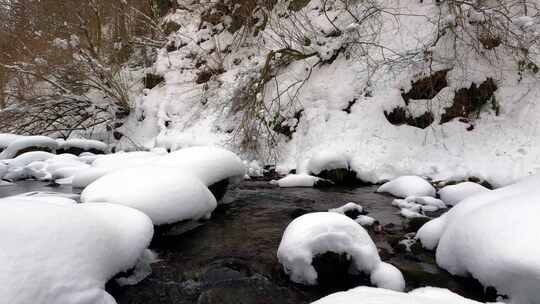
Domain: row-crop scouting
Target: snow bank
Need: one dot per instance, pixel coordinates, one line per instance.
(65, 253)
(370, 295)
(165, 194)
(493, 237)
(317, 233)
(405, 186)
(454, 194)
(27, 142)
(296, 180)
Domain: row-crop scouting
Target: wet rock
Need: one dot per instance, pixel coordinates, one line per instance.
(219, 189)
(341, 177)
(78, 151)
(332, 269)
(413, 224)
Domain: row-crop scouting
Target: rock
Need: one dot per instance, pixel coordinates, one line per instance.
(341, 177)
(332, 268)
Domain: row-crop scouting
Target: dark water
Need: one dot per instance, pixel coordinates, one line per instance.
(232, 257)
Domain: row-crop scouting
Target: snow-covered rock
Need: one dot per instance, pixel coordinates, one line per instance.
(165, 194)
(405, 186)
(321, 232)
(210, 164)
(65, 253)
(370, 295)
(297, 180)
(365, 220)
(493, 237)
(27, 142)
(453, 194)
(349, 207)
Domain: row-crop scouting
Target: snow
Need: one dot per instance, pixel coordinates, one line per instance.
(65, 253)
(209, 164)
(316, 233)
(166, 194)
(348, 207)
(416, 206)
(493, 237)
(83, 144)
(26, 142)
(296, 180)
(405, 186)
(370, 295)
(6, 139)
(327, 160)
(454, 194)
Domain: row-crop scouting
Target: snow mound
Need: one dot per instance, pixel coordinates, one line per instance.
(321, 232)
(27, 142)
(296, 180)
(65, 253)
(454, 194)
(209, 164)
(165, 194)
(370, 295)
(327, 160)
(405, 186)
(492, 236)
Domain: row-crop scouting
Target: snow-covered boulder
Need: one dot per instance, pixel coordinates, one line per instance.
(453, 194)
(350, 209)
(166, 194)
(370, 295)
(28, 143)
(296, 180)
(493, 237)
(210, 164)
(65, 253)
(321, 232)
(78, 145)
(3, 169)
(405, 186)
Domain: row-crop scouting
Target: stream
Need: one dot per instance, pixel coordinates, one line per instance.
(231, 258)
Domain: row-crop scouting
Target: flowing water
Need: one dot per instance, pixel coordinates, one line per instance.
(232, 257)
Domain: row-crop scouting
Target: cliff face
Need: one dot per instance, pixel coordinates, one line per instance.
(438, 89)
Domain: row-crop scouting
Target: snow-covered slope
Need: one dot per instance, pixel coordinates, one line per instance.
(329, 91)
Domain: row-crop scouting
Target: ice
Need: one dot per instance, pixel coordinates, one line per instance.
(297, 180)
(320, 232)
(165, 194)
(65, 253)
(26, 142)
(370, 295)
(454, 194)
(405, 186)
